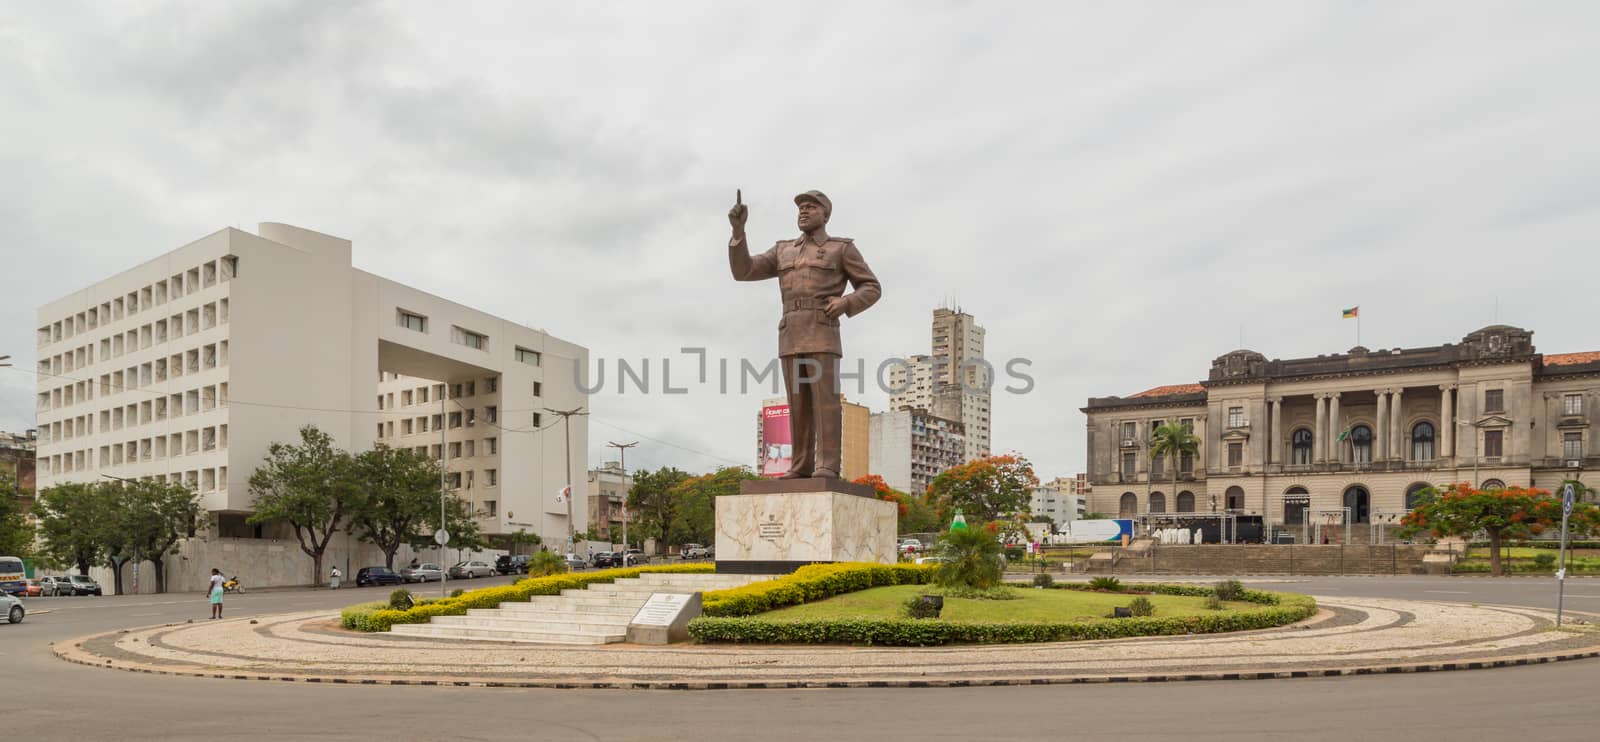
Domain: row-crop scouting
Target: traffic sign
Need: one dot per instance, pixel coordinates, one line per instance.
(1567, 494)
(441, 537)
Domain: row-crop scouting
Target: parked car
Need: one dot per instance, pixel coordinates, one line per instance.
(53, 586)
(909, 546)
(695, 551)
(33, 589)
(377, 576)
(635, 557)
(576, 563)
(80, 585)
(471, 569)
(508, 563)
(424, 572)
(932, 560)
(604, 559)
(12, 607)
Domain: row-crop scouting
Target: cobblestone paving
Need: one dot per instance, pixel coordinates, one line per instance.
(1349, 636)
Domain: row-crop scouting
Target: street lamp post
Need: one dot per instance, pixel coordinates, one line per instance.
(622, 453)
(566, 424)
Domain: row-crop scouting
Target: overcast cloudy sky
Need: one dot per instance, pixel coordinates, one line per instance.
(1117, 191)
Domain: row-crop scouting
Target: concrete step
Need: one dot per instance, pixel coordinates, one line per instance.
(537, 625)
(435, 631)
(553, 610)
(598, 614)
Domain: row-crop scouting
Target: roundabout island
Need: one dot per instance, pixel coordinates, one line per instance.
(1334, 636)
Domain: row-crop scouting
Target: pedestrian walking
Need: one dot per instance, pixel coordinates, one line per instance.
(216, 593)
(333, 578)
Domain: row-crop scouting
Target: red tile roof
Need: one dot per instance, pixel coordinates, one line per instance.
(1570, 359)
(1170, 389)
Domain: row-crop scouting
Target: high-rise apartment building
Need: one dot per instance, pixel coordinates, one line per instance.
(910, 446)
(187, 367)
(953, 381)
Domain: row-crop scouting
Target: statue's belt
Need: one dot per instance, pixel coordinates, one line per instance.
(800, 305)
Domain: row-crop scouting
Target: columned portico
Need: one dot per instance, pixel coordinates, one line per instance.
(1529, 406)
(1447, 422)
(1275, 441)
(1335, 451)
(1398, 435)
(1319, 442)
(1380, 436)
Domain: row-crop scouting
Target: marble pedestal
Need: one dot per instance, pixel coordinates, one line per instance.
(778, 526)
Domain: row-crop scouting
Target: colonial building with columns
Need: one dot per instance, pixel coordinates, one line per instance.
(1352, 437)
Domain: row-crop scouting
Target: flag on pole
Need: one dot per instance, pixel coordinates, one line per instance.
(562, 494)
(1352, 312)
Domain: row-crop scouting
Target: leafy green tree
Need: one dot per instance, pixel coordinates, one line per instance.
(71, 531)
(694, 516)
(1512, 512)
(311, 486)
(651, 506)
(460, 520)
(397, 497)
(984, 489)
(156, 516)
(16, 537)
(972, 559)
(546, 563)
(1173, 440)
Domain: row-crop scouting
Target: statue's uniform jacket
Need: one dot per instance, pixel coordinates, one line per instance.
(808, 276)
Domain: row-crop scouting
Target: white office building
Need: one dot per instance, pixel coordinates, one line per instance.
(188, 366)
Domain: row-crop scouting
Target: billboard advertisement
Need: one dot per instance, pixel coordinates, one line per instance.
(1095, 531)
(777, 449)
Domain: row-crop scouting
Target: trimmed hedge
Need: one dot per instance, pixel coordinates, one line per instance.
(811, 583)
(1191, 591)
(362, 618)
(925, 633)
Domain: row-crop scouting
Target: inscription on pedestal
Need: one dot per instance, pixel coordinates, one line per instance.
(771, 529)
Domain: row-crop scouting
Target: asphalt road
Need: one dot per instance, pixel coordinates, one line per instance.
(50, 699)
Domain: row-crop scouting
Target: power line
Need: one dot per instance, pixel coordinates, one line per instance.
(206, 396)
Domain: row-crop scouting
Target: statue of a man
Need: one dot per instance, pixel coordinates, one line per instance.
(812, 272)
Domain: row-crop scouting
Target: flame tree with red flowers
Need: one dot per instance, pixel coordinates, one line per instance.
(1502, 513)
(986, 489)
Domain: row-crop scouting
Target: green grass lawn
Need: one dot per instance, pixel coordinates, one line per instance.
(1526, 552)
(1034, 605)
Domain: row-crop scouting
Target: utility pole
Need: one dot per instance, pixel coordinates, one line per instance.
(441, 536)
(566, 424)
(622, 453)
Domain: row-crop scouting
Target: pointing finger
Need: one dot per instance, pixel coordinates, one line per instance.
(738, 197)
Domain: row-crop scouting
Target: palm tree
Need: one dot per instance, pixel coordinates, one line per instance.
(1173, 440)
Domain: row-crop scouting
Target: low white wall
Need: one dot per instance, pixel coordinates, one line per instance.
(268, 563)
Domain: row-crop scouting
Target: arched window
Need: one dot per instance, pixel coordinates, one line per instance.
(1158, 502)
(1295, 502)
(1186, 502)
(1235, 498)
(1422, 442)
(1414, 494)
(1492, 484)
(1300, 446)
(1361, 444)
(1128, 505)
(1359, 501)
